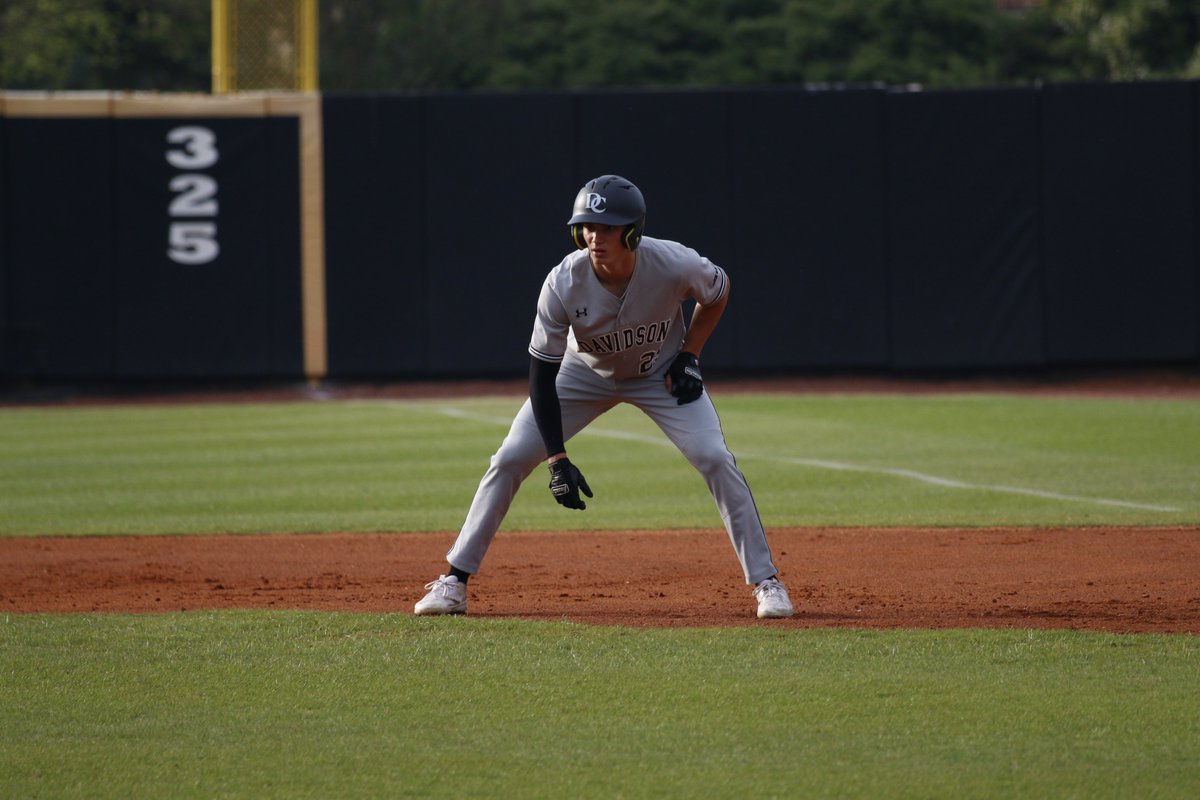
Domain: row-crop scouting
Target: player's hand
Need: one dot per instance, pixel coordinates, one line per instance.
(683, 378)
(566, 482)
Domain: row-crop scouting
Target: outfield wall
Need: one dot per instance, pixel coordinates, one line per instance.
(391, 235)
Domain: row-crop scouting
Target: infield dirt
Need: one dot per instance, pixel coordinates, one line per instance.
(1103, 579)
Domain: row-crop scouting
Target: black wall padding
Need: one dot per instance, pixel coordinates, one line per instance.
(1120, 222)
(808, 278)
(962, 229)
(58, 240)
(861, 228)
(283, 334)
(498, 193)
(375, 241)
(236, 314)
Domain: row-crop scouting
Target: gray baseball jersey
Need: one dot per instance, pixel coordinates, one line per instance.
(622, 337)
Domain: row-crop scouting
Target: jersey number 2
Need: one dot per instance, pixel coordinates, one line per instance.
(647, 361)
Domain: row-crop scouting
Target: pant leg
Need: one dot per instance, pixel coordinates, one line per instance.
(695, 429)
(583, 396)
(519, 453)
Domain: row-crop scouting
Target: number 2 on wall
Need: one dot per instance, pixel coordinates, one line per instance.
(193, 242)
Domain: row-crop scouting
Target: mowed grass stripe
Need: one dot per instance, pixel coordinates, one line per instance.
(408, 465)
(837, 466)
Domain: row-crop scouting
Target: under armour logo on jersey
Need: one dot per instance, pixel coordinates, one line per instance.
(596, 202)
(581, 312)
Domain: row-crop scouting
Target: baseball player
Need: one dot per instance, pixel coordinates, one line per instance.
(609, 329)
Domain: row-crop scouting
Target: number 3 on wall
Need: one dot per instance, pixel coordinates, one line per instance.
(193, 242)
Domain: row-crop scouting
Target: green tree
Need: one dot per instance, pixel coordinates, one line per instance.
(44, 44)
(409, 45)
(1125, 39)
(930, 42)
(631, 43)
(593, 43)
(165, 45)
(463, 45)
(104, 44)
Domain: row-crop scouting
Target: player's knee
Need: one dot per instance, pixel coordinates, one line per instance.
(709, 458)
(516, 460)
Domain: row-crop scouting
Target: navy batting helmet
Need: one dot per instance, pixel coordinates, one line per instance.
(609, 200)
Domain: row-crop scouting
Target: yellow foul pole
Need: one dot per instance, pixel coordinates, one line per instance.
(306, 36)
(223, 78)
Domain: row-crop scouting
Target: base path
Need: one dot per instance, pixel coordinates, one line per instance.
(1101, 579)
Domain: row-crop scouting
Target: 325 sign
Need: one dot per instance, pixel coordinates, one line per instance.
(192, 228)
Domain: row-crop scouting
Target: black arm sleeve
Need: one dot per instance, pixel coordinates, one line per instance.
(543, 396)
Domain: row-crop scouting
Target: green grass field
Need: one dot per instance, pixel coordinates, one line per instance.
(303, 704)
(298, 704)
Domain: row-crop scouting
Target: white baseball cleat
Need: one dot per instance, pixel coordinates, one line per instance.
(773, 600)
(446, 596)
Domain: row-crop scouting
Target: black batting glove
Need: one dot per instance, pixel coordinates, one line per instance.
(686, 383)
(566, 482)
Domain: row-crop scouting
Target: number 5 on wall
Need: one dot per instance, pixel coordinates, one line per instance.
(193, 242)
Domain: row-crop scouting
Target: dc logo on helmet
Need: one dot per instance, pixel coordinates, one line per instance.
(596, 202)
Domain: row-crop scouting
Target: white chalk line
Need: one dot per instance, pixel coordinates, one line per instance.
(839, 466)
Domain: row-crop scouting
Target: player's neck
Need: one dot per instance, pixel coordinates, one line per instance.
(615, 275)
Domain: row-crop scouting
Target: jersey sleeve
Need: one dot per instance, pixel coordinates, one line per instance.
(706, 282)
(550, 326)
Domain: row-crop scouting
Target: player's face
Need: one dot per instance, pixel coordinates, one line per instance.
(604, 242)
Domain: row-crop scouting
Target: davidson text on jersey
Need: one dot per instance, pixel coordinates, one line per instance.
(626, 338)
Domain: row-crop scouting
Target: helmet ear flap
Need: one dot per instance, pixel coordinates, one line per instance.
(632, 236)
(577, 236)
